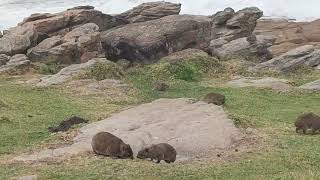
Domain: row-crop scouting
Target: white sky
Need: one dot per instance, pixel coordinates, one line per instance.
(13, 11)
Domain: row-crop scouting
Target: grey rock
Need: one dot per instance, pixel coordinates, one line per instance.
(272, 83)
(315, 85)
(185, 54)
(221, 17)
(4, 59)
(245, 19)
(305, 55)
(18, 40)
(151, 40)
(242, 47)
(68, 73)
(71, 48)
(18, 64)
(195, 129)
(150, 11)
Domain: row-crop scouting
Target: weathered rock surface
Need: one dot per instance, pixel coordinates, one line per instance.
(272, 83)
(305, 55)
(18, 40)
(150, 41)
(61, 23)
(67, 73)
(17, 64)
(290, 35)
(195, 129)
(243, 47)
(315, 85)
(38, 27)
(4, 59)
(150, 11)
(74, 47)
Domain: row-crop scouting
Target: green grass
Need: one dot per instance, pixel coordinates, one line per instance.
(286, 155)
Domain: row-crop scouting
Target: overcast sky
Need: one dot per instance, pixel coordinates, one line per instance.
(13, 11)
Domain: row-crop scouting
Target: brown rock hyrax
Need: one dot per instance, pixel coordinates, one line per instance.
(214, 98)
(107, 144)
(308, 121)
(158, 152)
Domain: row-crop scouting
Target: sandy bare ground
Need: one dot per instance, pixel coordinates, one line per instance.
(194, 128)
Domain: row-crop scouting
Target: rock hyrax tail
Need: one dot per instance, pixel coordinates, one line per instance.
(107, 144)
(159, 152)
(214, 98)
(308, 121)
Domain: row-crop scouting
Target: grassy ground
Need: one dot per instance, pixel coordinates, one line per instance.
(28, 112)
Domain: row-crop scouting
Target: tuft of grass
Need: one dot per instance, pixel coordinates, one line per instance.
(101, 71)
(49, 68)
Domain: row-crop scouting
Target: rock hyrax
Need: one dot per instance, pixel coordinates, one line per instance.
(308, 121)
(214, 98)
(107, 144)
(158, 152)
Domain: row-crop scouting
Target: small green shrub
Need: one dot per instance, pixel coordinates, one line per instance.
(50, 68)
(188, 69)
(101, 71)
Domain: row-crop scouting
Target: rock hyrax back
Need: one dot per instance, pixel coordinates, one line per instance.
(214, 98)
(159, 152)
(308, 121)
(107, 144)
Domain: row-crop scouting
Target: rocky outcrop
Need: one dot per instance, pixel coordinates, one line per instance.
(272, 83)
(315, 85)
(66, 74)
(18, 40)
(38, 27)
(289, 35)
(61, 23)
(74, 47)
(258, 48)
(150, 11)
(305, 55)
(17, 64)
(233, 34)
(149, 41)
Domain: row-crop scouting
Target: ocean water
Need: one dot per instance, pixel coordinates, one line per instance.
(13, 11)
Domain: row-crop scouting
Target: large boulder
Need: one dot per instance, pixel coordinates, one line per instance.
(185, 54)
(195, 129)
(64, 22)
(18, 40)
(243, 47)
(38, 27)
(149, 41)
(305, 55)
(150, 11)
(17, 64)
(74, 47)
